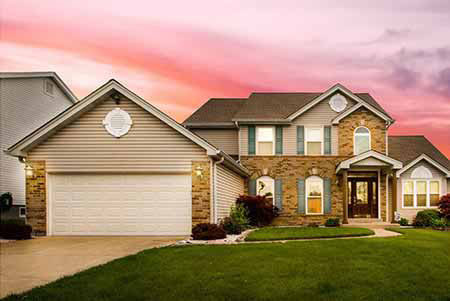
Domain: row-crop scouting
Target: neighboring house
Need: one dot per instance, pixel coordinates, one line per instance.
(321, 155)
(27, 100)
(113, 164)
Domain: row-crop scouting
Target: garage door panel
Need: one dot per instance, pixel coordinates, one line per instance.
(87, 204)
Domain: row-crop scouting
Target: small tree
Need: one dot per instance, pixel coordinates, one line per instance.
(444, 206)
(261, 211)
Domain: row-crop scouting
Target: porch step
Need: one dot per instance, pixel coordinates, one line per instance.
(352, 221)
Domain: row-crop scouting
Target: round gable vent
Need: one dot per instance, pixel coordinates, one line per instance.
(117, 122)
(338, 103)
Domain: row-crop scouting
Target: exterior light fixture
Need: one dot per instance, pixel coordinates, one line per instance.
(29, 171)
(314, 171)
(199, 171)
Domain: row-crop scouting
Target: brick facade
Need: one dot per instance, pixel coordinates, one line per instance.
(201, 193)
(361, 117)
(289, 169)
(36, 196)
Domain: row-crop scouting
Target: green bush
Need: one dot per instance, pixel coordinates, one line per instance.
(6, 201)
(439, 223)
(230, 226)
(425, 217)
(12, 221)
(14, 230)
(207, 231)
(404, 222)
(237, 221)
(332, 222)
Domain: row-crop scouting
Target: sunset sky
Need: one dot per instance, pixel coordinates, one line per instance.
(177, 54)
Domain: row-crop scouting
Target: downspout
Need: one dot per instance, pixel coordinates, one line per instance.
(239, 140)
(215, 188)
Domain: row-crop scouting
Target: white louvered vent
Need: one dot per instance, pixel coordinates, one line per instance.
(118, 122)
(338, 103)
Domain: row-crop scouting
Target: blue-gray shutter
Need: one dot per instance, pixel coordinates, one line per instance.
(327, 140)
(327, 195)
(278, 194)
(301, 196)
(251, 140)
(252, 187)
(300, 140)
(278, 140)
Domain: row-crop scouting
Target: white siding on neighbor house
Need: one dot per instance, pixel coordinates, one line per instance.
(229, 187)
(410, 213)
(23, 107)
(149, 146)
(224, 139)
(320, 115)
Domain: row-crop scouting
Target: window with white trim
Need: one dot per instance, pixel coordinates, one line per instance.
(265, 186)
(420, 193)
(314, 195)
(361, 140)
(265, 140)
(314, 141)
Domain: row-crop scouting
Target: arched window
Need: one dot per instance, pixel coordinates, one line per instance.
(265, 187)
(421, 172)
(362, 140)
(314, 195)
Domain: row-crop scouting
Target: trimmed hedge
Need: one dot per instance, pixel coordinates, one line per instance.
(15, 229)
(425, 218)
(207, 231)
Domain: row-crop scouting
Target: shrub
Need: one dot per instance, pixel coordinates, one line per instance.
(444, 206)
(231, 227)
(439, 223)
(237, 221)
(313, 225)
(332, 222)
(403, 222)
(12, 229)
(15, 221)
(207, 231)
(6, 201)
(261, 211)
(425, 217)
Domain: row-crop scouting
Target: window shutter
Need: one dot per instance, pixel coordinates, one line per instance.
(279, 140)
(327, 195)
(279, 194)
(251, 140)
(300, 140)
(327, 140)
(301, 196)
(252, 187)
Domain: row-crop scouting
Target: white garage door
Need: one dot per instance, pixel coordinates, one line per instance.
(88, 204)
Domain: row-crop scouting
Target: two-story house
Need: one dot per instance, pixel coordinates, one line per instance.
(321, 155)
(27, 100)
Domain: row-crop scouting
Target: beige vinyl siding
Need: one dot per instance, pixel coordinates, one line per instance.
(229, 187)
(150, 145)
(410, 213)
(318, 116)
(224, 139)
(23, 107)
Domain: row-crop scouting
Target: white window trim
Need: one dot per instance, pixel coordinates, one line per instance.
(321, 138)
(354, 139)
(273, 186)
(415, 193)
(313, 178)
(257, 139)
(20, 212)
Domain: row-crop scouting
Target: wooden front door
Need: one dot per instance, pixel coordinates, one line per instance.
(363, 198)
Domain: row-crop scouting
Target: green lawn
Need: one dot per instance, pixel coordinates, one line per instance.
(286, 233)
(414, 266)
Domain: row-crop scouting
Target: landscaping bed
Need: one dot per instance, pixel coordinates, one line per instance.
(290, 233)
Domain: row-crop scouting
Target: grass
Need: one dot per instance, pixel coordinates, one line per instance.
(287, 233)
(414, 266)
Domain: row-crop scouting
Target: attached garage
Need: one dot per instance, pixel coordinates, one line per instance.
(119, 204)
(112, 164)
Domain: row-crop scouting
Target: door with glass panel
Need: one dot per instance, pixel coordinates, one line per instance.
(363, 198)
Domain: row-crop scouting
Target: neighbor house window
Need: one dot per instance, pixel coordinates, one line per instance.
(314, 141)
(362, 140)
(265, 187)
(314, 195)
(265, 140)
(420, 193)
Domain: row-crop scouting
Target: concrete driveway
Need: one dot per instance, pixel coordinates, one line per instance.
(30, 263)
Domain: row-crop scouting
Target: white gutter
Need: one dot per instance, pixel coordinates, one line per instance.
(239, 141)
(215, 188)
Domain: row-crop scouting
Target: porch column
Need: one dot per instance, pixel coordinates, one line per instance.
(345, 190)
(394, 197)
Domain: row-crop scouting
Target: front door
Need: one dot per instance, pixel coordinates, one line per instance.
(363, 198)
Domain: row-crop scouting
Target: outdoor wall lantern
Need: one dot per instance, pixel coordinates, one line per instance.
(29, 172)
(199, 171)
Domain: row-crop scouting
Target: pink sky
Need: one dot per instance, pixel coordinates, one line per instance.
(179, 54)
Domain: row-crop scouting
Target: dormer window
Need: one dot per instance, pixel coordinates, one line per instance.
(362, 140)
(265, 140)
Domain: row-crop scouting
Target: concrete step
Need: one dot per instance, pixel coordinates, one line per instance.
(364, 220)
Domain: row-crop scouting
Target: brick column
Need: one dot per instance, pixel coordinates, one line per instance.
(201, 193)
(394, 197)
(36, 198)
(345, 190)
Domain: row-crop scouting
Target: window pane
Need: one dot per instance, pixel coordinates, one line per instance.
(362, 131)
(315, 189)
(265, 134)
(421, 193)
(408, 200)
(434, 193)
(265, 186)
(265, 148)
(314, 135)
(314, 148)
(314, 205)
(408, 187)
(361, 144)
(408, 197)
